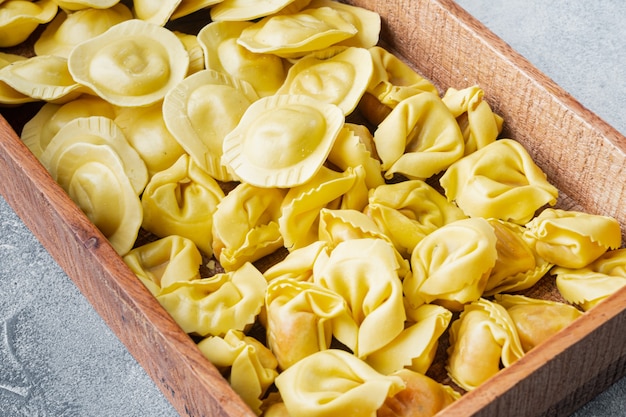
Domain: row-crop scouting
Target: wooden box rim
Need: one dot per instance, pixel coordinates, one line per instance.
(548, 375)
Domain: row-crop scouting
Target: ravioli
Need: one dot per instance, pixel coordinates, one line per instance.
(134, 63)
(282, 140)
(339, 78)
(295, 35)
(201, 111)
(264, 72)
(68, 29)
(19, 19)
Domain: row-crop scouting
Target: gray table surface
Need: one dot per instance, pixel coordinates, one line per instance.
(58, 358)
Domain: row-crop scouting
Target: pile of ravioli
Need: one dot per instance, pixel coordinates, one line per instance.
(399, 214)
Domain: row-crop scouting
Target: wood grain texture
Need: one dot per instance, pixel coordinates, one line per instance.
(169, 356)
(582, 155)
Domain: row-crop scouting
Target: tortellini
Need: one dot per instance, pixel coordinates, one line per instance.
(451, 265)
(181, 201)
(431, 396)
(308, 208)
(250, 366)
(367, 274)
(165, 261)
(282, 140)
(518, 266)
(134, 63)
(354, 146)
(573, 239)
(330, 383)
(588, 286)
(201, 111)
(217, 304)
(479, 125)
(482, 339)
(245, 225)
(501, 181)
(536, 320)
(416, 346)
(300, 213)
(407, 211)
(419, 138)
(300, 318)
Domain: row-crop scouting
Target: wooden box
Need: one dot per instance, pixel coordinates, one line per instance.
(582, 155)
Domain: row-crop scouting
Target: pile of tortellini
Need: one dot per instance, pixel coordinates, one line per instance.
(402, 215)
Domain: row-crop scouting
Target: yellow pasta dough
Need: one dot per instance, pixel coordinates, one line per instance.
(147, 133)
(218, 304)
(354, 146)
(250, 367)
(201, 111)
(588, 286)
(264, 72)
(482, 339)
(339, 78)
(299, 220)
(181, 201)
(501, 181)
(245, 225)
(41, 128)
(407, 211)
(300, 318)
(165, 261)
(96, 130)
(415, 347)
(295, 35)
(134, 63)
(419, 138)
(518, 266)
(535, 319)
(68, 29)
(479, 125)
(282, 140)
(573, 239)
(422, 397)
(9, 96)
(245, 10)
(43, 77)
(335, 383)
(367, 274)
(19, 19)
(451, 265)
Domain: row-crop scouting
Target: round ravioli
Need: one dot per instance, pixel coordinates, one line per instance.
(201, 111)
(134, 63)
(69, 29)
(283, 140)
(340, 79)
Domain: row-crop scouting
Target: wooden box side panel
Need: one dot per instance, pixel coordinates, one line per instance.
(581, 154)
(169, 356)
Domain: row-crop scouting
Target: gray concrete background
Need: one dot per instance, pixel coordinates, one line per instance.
(57, 357)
